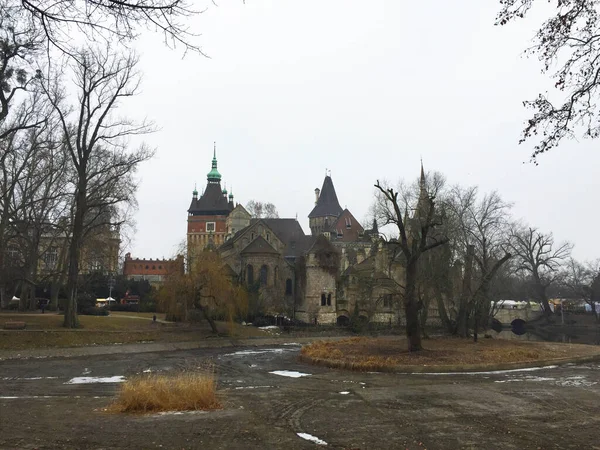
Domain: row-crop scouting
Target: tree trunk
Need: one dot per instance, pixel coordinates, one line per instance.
(462, 320)
(446, 323)
(71, 320)
(411, 308)
(210, 320)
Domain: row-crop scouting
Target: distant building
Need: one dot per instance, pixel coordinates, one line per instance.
(152, 270)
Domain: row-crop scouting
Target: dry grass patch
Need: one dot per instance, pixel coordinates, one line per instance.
(159, 393)
(388, 354)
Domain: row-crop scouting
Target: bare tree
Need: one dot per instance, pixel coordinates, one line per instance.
(120, 21)
(416, 237)
(20, 43)
(538, 256)
(260, 210)
(583, 281)
(481, 239)
(568, 44)
(96, 142)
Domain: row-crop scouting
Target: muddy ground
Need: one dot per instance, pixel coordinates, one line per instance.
(550, 408)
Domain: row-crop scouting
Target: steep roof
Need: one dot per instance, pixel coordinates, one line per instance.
(289, 232)
(259, 245)
(212, 202)
(327, 204)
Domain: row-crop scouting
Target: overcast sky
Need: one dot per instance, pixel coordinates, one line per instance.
(363, 88)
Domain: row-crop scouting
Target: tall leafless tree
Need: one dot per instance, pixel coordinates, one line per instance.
(537, 255)
(482, 239)
(416, 236)
(568, 44)
(97, 143)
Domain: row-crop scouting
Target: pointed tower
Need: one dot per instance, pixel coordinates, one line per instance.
(207, 215)
(327, 208)
(423, 201)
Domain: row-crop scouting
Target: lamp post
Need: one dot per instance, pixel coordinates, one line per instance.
(111, 285)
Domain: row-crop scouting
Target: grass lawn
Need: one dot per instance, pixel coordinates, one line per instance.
(365, 353)
(46, 331)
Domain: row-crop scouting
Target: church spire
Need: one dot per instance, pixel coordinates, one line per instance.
(214, 176)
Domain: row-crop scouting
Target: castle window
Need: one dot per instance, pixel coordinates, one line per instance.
(340, 234)
(268, 237)
(348, 223)
(288, 286)
(329, 299)
(147, 267)
(252, 236)
(387, 300)
(250, 274)
(275, 276)
(159, 267)
(323, 299)
(210, 226)
(264, 275)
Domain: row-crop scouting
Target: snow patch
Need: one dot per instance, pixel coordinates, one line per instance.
(290, 373)
(28, 378)
(147, 370)
(310, 437)
(253, 387)
(258, 352)
(86, 371)
(89, 380)
(269, 327)
(344, 392)
(493, 372)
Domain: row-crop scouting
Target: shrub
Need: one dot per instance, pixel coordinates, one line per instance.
(126, 308)
(95, 311)
(188, 391)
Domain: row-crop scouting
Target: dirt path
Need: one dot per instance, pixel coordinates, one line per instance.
(555, 407)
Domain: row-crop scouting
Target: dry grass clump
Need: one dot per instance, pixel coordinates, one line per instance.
(377, 354)
(188, 391)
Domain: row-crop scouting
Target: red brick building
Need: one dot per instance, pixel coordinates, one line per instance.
(153, 270)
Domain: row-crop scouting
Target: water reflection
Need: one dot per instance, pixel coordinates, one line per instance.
(553, 334)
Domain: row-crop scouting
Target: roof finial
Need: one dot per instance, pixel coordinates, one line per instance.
(214, 149)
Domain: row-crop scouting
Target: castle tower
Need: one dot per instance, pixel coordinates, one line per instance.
(207, 215)
(327, 209)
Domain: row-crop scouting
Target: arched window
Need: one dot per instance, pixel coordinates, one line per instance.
(275, 276)
(323, 299)
(329, 299)
(153, 267)
(288, 286)
(250, 274)
(264, 275)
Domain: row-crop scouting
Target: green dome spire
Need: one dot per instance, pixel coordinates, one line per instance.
(214, 175)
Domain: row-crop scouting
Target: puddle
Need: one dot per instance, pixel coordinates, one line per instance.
(89, 380)
(290, 373)
(311, 438)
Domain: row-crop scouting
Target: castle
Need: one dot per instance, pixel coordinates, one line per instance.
(338, 270)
